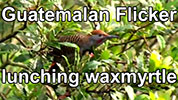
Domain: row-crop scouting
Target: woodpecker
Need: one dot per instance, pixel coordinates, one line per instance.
(85, 42)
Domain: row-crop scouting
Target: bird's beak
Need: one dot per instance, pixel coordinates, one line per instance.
(112, 36)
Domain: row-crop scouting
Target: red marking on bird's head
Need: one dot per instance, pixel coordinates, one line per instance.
(97, 32)
(100, 41)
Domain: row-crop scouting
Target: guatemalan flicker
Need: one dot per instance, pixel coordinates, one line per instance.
(85, 42)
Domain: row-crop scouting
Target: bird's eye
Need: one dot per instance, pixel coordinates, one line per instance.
(99, 35)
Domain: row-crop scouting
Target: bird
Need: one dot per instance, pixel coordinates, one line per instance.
(86, 43)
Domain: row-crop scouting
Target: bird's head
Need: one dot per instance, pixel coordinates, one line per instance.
(98, 37)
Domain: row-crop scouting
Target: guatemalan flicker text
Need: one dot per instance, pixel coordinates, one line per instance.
(10, 14)
(74, 79)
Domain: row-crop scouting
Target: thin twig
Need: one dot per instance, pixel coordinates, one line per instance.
(8, 62)
(129, 47)
(144, 26)
(20, 40)
(133, 33)
(3, 96)
(19, 65)
(8, 91)
(123, 2)
(135, 40)
(145, 40)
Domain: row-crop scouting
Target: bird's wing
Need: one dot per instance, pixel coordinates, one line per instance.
(69, 52)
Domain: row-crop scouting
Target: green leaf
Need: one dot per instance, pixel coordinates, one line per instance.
(108, 61)
(142, 97)
(91, 65)
(54, 44)
(115, 50)
(159, 6)
(91, 1)
(161, 41)
(105, 54)
(163, 95)
(174, 53)
(167, 62)
(152, 95)
(23, 57)
(68, 44)
(155, 61)
(66, 59)
(8, 47)
(3, 52)
(58, 44)
(68, 98)
(36, 47)
(140, 61)
(130, 92)
(68, 4)
(117, 96)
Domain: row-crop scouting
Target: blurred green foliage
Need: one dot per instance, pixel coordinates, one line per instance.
(142, 47)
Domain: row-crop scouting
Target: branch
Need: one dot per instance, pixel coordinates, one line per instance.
(124, 43)
(20, 40)
(144, 26)
(8, 62)
(146, 42)
(135, 31)
(14, 33)
(19, 65)
(4, 65)
(3, 97)
(129, 47)
(123, 2)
